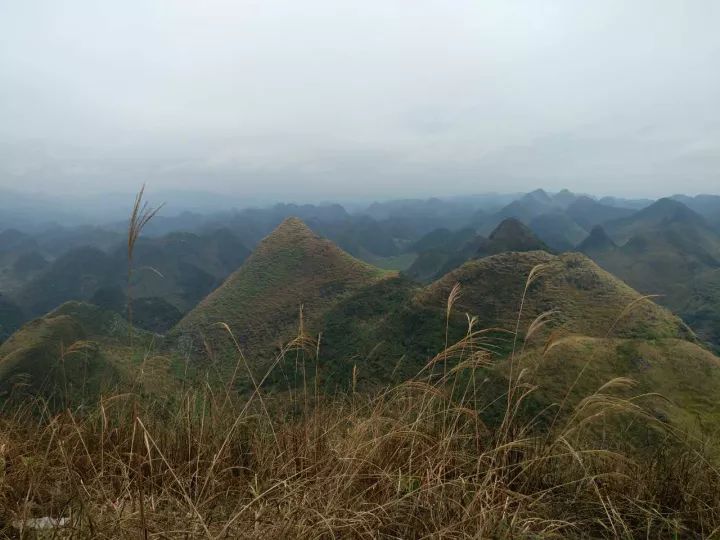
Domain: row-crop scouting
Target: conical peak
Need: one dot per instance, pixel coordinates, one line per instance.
(292, 229)
(598, 238)
(510, 227)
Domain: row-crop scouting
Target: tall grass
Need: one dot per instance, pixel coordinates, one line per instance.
(140, 216)
(413, 460)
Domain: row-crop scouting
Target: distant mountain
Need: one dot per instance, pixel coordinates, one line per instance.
(619, 202)
(663, 213)
(588, 212)
(526, 208)
(436, 248)
(260, 303)
(29, 263)
(444, 239)
(76, 275)
(14, 240)
(11, 317)
(669, 250)
(56, 241)
(564, 198)
(661, 261)
(171, 274)
(707, 206)
(509, 235)
(558, 230)
(183, 268)
(596, 242)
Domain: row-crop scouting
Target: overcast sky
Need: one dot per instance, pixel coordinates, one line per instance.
(320, 99)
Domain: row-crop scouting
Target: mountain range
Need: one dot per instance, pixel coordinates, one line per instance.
(299, 298)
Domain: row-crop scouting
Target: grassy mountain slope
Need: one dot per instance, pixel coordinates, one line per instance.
(77, 351)
(389, 330)
(681, 371)
(588, 299)
(51, 356)
(261, 301)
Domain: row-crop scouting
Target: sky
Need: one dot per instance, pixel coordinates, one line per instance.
(335, 99)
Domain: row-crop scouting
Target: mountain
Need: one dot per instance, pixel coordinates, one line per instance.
(686, 375)
(564, 198)
(183, 268)
(29, 263)
(434, 262)
(509, 235)
(587, 299)
(620, 202)
(700, 306)
(596, 242)
(171, 274)
(76, 275)
(435, 249)
(51, 356)
(672, 252)
(558, 230)
(14, 240)
(389, 330)
(525, 209)
(664, 213)
(79, 351)
(260, 302)
(11, 317)
(663, 262)
(707, 206)
(588, 212)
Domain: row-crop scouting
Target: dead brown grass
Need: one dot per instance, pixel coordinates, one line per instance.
(412, 461)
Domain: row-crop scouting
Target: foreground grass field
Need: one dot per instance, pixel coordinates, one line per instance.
(412, 460)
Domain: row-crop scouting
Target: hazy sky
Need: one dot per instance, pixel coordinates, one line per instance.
(335, 98)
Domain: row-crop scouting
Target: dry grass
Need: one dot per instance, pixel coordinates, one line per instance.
(412, 461)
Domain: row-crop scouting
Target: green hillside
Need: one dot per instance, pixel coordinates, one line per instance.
(78, 351)
(260, 303)
(51, 356)
(587, 300)
(683, 377)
